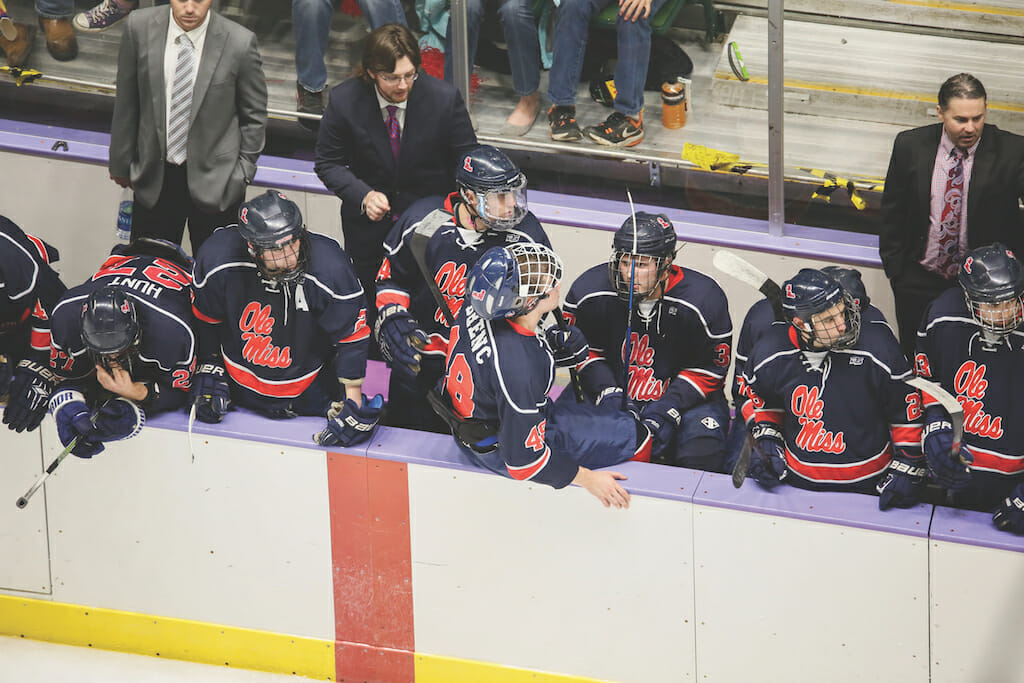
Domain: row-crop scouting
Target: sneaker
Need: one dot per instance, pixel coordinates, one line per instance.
(563, 123)
(309, 102)
(101, 17)
(618, 130)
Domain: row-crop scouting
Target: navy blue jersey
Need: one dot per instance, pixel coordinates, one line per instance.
(29, 289)
(840, 417)
(451, 254)
(681, 351)
(985, 378)
(162, 294)
(275, 338)
(500, 373)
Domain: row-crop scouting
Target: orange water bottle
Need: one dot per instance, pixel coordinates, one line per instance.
(673, 104)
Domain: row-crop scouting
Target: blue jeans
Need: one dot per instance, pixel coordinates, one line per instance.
(311, 22)
(634, 41)
(55, 9)
(520, 35)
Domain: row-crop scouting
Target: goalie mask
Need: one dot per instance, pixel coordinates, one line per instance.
(511, 281)
(494, 186)
(642, 252)
(820, 309)
(993, 282)
(272, 225)
(110, 329)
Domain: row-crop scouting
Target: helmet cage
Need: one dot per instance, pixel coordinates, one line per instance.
(993, 282)
(994, 316)
(270, 258)
(838, 340)
(620, 272)
(512, 281)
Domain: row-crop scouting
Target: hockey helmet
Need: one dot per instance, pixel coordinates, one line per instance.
(849, 279)
(645, 239)
(993, 282)
(110, 328)
(821, 310)
(497, 184)
(272, 225)
(510, 281)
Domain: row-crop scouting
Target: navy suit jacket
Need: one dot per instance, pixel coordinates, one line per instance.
(353, 154)
(997, 181)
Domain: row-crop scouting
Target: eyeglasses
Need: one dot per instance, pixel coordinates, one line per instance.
(395, 80)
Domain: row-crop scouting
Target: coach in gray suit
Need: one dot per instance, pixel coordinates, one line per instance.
(189, 120)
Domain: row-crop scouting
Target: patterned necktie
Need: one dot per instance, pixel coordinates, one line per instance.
(949, 223)
(181, 101)
(393, 131)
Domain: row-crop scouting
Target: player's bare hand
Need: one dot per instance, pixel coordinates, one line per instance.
(376, 205)
(631, 10)
(119, 382)
(123, 181)
(604, 486)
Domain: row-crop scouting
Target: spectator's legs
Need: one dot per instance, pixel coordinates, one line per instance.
(380, 12)
(104, 15)
(474, 16)
(634, 41)
(571, 29)
(55, 20)
(524, 56)
(311, 24)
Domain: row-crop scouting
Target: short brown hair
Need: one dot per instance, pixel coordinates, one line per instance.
(962, 85)
(385, 46)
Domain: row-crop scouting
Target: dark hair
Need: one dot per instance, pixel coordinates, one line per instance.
(962, 85)
(384, 47)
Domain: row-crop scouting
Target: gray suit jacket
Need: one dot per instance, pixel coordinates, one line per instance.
(229, 111)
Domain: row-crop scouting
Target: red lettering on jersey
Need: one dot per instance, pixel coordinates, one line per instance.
(451, 280)
(970, 380)
(921, 365)
(643, 385)
(813, 437)
(38, 312)
(385, 270)
(569, 317)
(970, 385)
(535, 440)
(256, 325)
(723, 354)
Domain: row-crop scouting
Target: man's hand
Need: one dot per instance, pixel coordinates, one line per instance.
(568, 346)
(937, 442)
(123, 181)
(119, 382)
(901, 485)
(400, 339)
(1010, 514)
(604, 487)
(376, 205)
(768, 456)
(211, 393)
(349, 423)
(631, 10)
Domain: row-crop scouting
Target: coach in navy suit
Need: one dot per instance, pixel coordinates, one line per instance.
(390, 135)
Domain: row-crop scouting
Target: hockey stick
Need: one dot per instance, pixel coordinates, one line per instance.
(741, 269)
(952, 406)
(739, 470)
(23, 501)
(421, 235)
(574, 377)
(629, 316)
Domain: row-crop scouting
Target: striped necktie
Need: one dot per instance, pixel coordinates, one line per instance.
(181, 101)
(394, 132)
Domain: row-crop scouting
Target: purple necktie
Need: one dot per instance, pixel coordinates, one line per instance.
(949, 222)
(393, 131)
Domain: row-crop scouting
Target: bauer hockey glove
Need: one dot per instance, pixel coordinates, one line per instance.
(1010, 514)
(31, 386)
(211, 393)
(768, 456)
(902, 481)
(611, 397)
(937, 444)
(400, 339)
(663, 421)
(349, 424)
(568, 346)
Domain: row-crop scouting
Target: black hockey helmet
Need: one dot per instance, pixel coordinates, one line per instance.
(497, 184)
(850, 280)
(644, 237)
(511, 281)
(991, 276)
(271, 223)
(110, 328)
(812, 293)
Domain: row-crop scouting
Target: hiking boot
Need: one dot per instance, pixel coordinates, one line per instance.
(562, 119)
(60, 38)
(17, 50)
(618, 130)
(309, 102)
(101, 17)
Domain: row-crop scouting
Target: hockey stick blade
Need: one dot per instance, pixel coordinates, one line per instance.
(952, 406)
(729, 263)
(739, 470)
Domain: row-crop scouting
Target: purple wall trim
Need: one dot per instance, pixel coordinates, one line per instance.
(972, 528)
(845, 509)
(559, 209)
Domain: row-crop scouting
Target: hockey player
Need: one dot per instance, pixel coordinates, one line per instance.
(971, 343)
(29, 289)
(828, 407)
(488, 210)
(123, 345)
(498, 374)
(679, 341)
(274, 305)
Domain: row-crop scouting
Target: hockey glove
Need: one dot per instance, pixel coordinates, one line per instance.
(611, 397)
(568, 346)
(73, 421)
(1010, 515)
(902, 482)
(121, 418)
(663, 421)
(400, 339)
(937, 444)
(349, 424)
(211, 393)
(768, 456)
(30, 391)
(5, 374)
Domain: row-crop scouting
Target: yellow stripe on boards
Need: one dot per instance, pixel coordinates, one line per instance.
(143, 634)
(437, 669)
(960, 7)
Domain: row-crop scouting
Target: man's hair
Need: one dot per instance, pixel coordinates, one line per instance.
(962, 85)
(384, 47)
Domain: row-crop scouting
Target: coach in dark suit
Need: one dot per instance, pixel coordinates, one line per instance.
(934, 172)
(189, 121)
(390, 135)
